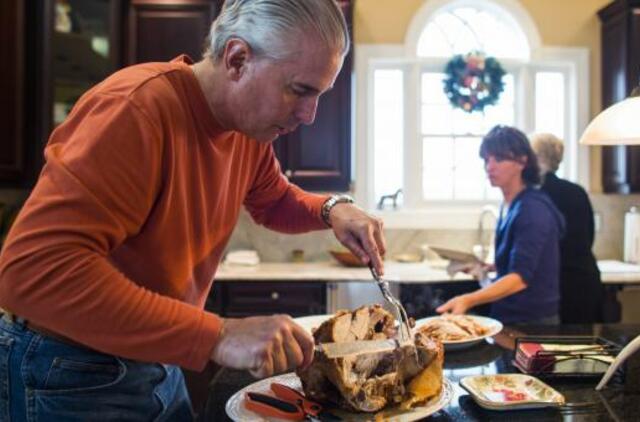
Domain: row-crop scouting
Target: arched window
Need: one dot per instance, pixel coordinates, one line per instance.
(459, 29)
(410, 136)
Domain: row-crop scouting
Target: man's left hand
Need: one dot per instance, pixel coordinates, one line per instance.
(360, 233)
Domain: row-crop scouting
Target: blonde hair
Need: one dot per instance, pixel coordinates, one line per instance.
(271, 27)
(549, 149)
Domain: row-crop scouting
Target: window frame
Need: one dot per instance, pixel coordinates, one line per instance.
(419, 213)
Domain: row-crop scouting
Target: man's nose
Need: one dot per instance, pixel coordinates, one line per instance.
(306, 110)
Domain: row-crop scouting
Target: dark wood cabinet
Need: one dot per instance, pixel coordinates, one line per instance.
(245, 298)
(159, 30)
(620, 74)
(318, 157)
(12, 48)
(55, 50)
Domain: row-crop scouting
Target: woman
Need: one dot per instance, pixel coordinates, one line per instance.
(527, 256)
(581, 292)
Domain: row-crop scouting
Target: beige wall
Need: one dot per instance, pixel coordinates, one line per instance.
(565, 23)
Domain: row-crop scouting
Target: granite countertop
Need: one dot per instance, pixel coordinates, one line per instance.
(620, 401)
(331, 271)
(612, 272)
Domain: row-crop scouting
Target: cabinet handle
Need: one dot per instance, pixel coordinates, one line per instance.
(275, 295)
(288, 173)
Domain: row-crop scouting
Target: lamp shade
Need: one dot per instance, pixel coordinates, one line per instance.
(617, 125)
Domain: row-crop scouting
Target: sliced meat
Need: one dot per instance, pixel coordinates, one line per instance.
(370, 381)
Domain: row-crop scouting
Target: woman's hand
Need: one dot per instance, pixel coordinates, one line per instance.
(360, 233)
(456, 305)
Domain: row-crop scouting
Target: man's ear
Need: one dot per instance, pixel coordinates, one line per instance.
(236, 55)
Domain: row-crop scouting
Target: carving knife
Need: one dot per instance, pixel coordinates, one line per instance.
(344, 349)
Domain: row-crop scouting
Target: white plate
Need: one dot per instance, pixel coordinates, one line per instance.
(489, 391)
(312, 321)
(235, 405)
(494, 326)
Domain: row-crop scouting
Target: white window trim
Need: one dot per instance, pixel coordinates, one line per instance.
(574, 62)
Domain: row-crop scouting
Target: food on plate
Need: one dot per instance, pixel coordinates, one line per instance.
(368, 382)
(450, 327)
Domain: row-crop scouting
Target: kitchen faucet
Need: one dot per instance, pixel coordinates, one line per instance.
(486, 248)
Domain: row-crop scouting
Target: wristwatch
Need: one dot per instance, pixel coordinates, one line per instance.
(332, 202)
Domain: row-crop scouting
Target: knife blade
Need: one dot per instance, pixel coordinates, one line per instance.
(344, 349)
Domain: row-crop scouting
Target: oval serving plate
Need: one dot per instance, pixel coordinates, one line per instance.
(494, 326)
(235, 405)
(511, 392)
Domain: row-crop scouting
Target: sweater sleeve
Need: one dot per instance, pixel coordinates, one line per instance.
(102, 174)
(279, 205)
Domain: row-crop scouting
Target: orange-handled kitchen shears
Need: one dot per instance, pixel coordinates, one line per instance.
(288, 404)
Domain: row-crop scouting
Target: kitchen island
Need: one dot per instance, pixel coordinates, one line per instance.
(616, 403)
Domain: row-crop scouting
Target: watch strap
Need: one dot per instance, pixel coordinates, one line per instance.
(331, 202)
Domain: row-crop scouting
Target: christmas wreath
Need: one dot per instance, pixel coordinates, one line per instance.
(473, 81)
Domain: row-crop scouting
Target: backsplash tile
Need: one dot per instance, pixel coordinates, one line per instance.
(277, 247)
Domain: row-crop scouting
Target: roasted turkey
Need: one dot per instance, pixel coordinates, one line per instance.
(369, 382)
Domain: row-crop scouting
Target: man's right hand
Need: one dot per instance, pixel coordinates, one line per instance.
(263, 345)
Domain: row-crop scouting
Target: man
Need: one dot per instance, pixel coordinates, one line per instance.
(107, 267)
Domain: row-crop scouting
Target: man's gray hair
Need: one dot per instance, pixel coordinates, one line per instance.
(549, 149)
(272, 28)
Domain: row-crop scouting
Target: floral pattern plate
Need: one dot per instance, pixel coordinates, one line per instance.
(236, 410)
(511, 391)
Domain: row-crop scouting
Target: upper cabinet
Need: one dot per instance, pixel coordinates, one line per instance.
(12, 83)
(620, 74)
(318, 157)
(56, 50)
(159, 30)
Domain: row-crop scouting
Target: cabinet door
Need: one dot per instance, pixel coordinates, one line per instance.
(242, 298)
(318, 157)
(54, 50)
(620, 74)
(159, 30)
(12, 86)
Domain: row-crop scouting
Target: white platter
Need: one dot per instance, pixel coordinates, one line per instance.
(494, 326)
(235, 405)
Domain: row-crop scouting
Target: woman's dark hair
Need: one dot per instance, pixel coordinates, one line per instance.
(508, 143)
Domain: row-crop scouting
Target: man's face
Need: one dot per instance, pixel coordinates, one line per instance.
(503, 171)
(275, 97)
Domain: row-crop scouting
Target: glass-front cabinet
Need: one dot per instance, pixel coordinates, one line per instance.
(55, 51)
(83, 50)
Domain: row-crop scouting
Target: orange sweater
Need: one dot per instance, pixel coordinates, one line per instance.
(118, 244)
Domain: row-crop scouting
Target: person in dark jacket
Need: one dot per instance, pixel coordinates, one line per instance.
(528, 232)
(581, 292)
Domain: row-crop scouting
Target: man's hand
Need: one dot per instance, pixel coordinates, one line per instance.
(456, 305)
(263, 345)
(360, 233)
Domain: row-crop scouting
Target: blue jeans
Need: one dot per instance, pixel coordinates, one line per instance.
(43, 379)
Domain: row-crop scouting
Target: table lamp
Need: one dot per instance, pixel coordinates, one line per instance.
(619, 124)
